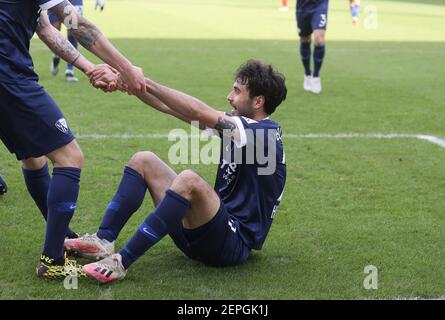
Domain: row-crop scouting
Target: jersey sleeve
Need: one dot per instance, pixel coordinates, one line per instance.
(48, 4)
(240, 139)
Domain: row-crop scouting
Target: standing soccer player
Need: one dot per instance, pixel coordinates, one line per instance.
(32, 125)
(55, 21)
(218, 226)
(312, 18)
(284, 7)
(354, 5)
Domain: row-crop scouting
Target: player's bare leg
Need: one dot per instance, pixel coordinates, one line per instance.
(162, 183)
(157, 176)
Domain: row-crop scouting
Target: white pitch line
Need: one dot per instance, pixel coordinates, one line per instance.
(432, 139)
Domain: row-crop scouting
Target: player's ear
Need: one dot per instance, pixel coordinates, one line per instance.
(258, 102)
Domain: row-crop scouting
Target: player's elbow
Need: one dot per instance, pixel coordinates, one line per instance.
(43, 34)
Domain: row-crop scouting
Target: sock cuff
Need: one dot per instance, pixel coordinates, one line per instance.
(69, 172)
(135, 174)
(178, 197)
(36, 173)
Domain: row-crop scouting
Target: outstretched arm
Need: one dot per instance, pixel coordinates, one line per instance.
(157, 104)
(60, 45)
(194, 109)
(90, 37)
(64, 49)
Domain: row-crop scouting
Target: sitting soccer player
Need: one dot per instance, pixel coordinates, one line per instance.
(218, 226)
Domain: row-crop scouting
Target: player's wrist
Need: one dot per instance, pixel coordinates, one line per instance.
(125, 68)
(87, 67)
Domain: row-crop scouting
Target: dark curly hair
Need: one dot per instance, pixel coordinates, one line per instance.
(263, 80)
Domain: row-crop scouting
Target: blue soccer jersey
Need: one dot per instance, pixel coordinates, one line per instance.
(251, 178)
(310, 5)
(18, 22)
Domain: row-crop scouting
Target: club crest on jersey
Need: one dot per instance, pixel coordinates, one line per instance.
(62, 125)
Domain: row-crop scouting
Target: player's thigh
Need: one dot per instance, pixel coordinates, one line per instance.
(69, 155)
(204, 205)
(304, 26)
(319, 20)
(216, 243)
(32, 125)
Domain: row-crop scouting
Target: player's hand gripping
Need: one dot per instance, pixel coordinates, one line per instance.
(104, 77)
(134, 78)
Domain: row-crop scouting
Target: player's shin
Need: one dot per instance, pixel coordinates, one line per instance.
(62, 199)
(167, 215)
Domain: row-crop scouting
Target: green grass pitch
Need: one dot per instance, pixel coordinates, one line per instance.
(349, 202)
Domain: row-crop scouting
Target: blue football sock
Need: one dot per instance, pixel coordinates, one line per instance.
(305, 52)
(73, 41)
(126, 201)
(62, 199)
(37, 182)
(318, 59)
(162, 221)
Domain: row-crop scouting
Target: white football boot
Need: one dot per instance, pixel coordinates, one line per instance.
(89, 246)
(307, 84)
(106, 270)
(316, 85)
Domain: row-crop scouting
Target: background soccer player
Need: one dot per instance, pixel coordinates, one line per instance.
(3, 186)
(31, 124)
(355, 10)
(312, 18)
(284, 6)
(218, 226)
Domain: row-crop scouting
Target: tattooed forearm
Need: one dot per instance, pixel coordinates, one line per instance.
(224, 124)
(84, 31)
(86, 34)
(59, 45)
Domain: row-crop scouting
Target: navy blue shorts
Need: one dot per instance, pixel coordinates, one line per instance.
(31, 123)
(77, 4)
(308, 21)
(217, 243)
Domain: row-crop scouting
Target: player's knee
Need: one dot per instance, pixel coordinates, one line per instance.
(141, 162)
(68, 156)
(305, 39)
(185, 183)
(77, 159)
(319, 40)
(34, 163)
